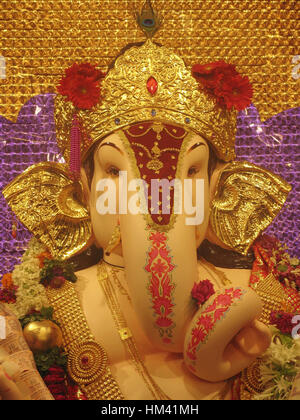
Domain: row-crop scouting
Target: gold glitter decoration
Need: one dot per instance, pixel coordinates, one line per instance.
(251, 382)
(39, 39)
(126, 100)
(87, 360)
(49, 204)
(42, 335)
(272, 295)
(246, 201)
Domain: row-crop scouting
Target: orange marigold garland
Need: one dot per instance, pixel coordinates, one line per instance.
(8, 289)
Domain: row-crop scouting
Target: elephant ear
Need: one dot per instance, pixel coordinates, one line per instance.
(49, 204)
(246, 201)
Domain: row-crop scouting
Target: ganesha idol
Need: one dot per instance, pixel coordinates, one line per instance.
(178, 306)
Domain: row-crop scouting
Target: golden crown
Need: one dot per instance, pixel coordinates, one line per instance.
(153, 83)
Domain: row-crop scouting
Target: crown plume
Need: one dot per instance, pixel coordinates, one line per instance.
(148, 20)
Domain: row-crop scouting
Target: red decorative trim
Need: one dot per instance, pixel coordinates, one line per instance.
(160, 285)
(209, 317)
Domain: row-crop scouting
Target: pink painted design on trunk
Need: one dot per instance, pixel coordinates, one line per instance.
(160, 286)
(209, 317)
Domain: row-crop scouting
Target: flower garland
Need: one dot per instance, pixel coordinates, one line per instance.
(279, 367)
(285, 268)
(24, 291)
(29, 294)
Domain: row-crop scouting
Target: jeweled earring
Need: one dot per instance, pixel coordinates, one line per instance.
(115, 240)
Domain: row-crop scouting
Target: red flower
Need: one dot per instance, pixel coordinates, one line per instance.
(57, 282)
(57, 388)
(283, 321)
(202, 291)
(210, 75)
(84, 69)
(56, 370)
(60, 397)
(235, 92)
(8, 295)
(54, 379)
(81, 85)
(269, 243)
(222, 81)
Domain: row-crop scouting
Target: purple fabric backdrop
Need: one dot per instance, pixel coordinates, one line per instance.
(272, 144)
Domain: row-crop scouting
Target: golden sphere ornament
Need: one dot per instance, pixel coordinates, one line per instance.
(42, 335)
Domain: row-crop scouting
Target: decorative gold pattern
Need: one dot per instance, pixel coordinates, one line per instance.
(86, 362)
(246, 200)
(251, 382)
(49, 204)
(94, 377)
(126, 100)
(40, 38)
(42, 335)
(272, 295)
(114, 241)
(125, 333)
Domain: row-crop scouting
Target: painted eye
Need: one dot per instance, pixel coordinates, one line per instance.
(192, 171)
(113, 171)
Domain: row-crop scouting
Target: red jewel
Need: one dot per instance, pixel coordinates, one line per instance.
(152, 85)
(85, 360)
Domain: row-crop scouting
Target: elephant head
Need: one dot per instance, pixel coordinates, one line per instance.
(160, 151)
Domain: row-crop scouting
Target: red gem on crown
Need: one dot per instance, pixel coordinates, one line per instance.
(152, 85)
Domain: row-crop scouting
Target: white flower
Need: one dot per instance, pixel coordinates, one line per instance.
(31, 295)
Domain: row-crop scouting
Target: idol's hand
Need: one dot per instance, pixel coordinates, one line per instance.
(225, 335)
(19, 378)
(8, 388)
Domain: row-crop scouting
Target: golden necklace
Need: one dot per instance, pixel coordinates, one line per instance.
(124, 332)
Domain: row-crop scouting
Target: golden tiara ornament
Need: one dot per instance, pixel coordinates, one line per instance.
(149, 83)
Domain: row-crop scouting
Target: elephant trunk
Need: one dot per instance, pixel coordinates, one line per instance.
(161, 268)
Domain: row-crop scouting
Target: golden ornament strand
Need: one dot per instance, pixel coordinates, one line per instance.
(119, 285)
(87, 360)
(125, 333)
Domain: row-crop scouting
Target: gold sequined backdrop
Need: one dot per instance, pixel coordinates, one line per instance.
(41, 38)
